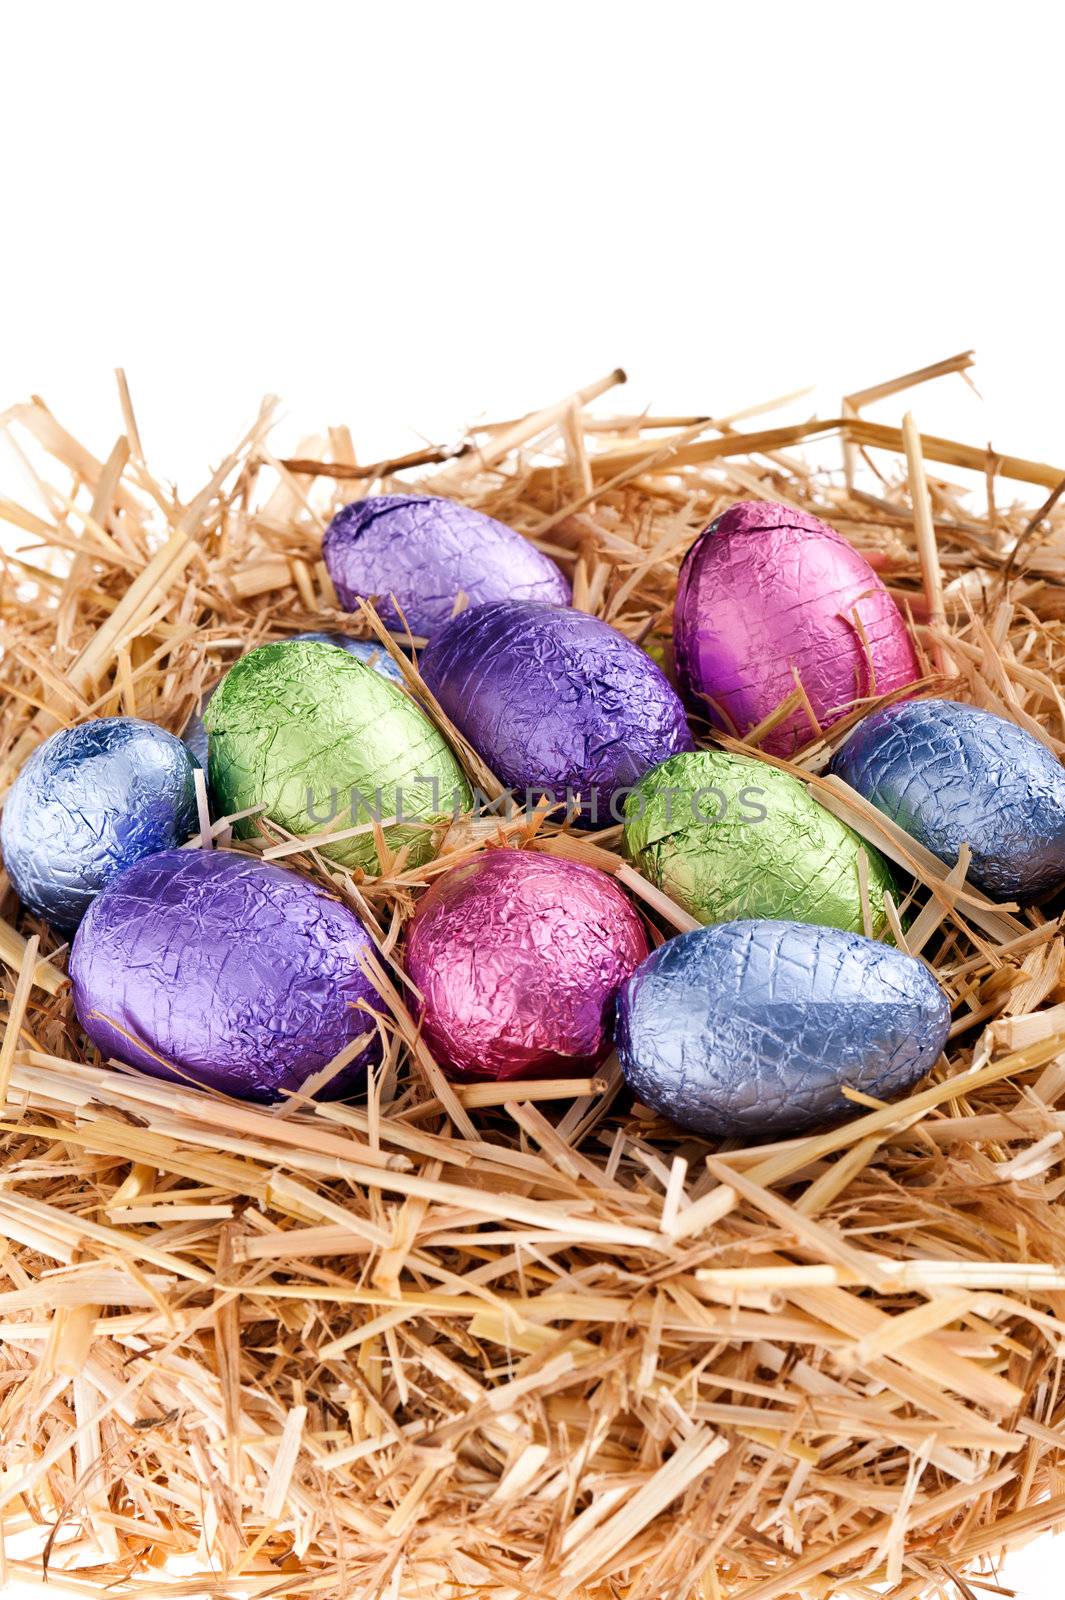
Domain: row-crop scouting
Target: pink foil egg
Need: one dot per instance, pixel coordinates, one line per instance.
(518, 958)
(767, 593)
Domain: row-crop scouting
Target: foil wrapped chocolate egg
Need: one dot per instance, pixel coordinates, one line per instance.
(555, 701)
(324, 744)
(431, 555)
(769, 597)
(950, 774)
(367, 651)
(517, 957)
(194, 733)
(89, 802)
(727, 836)
(746, 1030)
(217, 969)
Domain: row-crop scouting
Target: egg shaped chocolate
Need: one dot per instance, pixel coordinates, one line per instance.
(325, 744)
(768, 596)
(517, 957)
(220, 970)
(431, 555)
(194, 733)
(951, 774)
(728, 836)
(89, 802)
(556, 702)
(746, 1030)
(367, 651)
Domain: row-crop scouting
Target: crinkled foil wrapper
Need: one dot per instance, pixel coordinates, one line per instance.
(555, 701)
(518, 957)
(727, 836)
(323, 743)
(89, 802)
(432, 554)
(367, 651)
(766, 592)
(241, 975)
(951, 774)
(750, 1029)
(194, 733)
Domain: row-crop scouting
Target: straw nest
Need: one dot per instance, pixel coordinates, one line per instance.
(532, 1340)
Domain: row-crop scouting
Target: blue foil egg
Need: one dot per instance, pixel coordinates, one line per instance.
(950, 774)
(194, 733)
(88, 803)
(751, 1029)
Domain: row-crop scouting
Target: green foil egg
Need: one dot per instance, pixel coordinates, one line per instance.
(325, 743)
(728, 837)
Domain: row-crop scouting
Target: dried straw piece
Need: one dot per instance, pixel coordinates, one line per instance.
(529, 1338)
(926, 538)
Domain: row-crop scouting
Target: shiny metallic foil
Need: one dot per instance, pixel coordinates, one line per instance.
(555, 701)
(242, 975)
(728, 836)
(89, 802)
(767, 592)
(432, 554)
(194, 733)
(746, 1030)
(324, 743)
(951, 774)
(367, 651)
(518, 957)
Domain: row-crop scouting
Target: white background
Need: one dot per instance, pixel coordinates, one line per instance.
(407, 216)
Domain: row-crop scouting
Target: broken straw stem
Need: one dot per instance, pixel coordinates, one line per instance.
(927, 550)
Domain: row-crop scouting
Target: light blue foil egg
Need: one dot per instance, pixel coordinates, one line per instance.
(194, 733)
(751, 1029)
(951, 774)
(88, 803)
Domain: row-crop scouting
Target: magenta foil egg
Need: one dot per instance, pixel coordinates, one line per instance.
(518, 958)
(768, 596)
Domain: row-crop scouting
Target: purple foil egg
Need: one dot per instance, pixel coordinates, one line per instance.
(428, 553)
(556, 702)
(518, 957)
(232, 974)
(767, 593)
